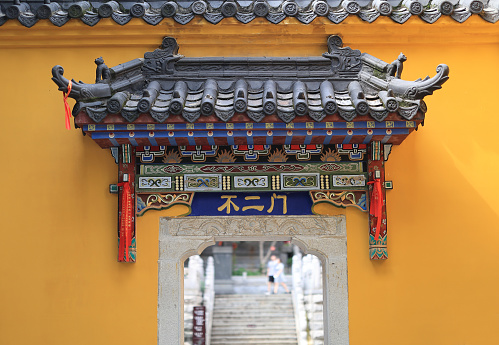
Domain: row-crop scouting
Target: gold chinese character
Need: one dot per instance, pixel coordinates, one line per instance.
(228, 204)
(258, 208)
(284, 203)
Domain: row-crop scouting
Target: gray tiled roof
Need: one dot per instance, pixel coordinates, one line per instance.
(275, 11)
(343, 81)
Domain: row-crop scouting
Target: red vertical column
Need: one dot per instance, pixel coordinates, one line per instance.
(377, 201)
(126, 204)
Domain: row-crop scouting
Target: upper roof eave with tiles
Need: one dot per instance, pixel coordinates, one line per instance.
(343, 81)
(28, 13)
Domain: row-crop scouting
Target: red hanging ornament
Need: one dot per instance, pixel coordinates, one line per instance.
(66, 105)
(376, 205)
(126, 221)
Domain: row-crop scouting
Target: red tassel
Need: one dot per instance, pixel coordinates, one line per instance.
(126, 221)
(66, 105)
(376, 207)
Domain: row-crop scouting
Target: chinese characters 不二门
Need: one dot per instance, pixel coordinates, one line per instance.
(229, 205)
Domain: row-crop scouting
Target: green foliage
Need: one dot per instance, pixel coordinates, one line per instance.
(239, 272)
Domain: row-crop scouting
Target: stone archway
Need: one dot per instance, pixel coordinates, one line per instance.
(322, 236)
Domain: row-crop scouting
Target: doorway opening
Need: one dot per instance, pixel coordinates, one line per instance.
(181, 238)
(267, 291)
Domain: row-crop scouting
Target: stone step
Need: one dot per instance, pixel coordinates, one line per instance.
(261, 299)
(255, 341)
(262, 337)
(252, 323)
(253, 301)
(269, 298)
(251, 330)
(284, 324)
(253, 319)
(262, 314)
(253, 308)
(236, 304)
(243, 296)
(289, 324)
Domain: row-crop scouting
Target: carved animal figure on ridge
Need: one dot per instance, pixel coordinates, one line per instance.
(396, 67)
(102, 74)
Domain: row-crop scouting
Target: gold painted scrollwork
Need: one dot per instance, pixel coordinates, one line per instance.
(162, 201)
(341, 198)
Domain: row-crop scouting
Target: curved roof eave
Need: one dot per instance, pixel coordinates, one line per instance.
(59, 13)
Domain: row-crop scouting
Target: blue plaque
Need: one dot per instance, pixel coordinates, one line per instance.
(252, 204)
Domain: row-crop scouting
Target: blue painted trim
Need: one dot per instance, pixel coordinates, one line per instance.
(347, 139)
(269, 139)
(308, 139)
(278, 133)
(367, 140)
(255, 126)
(386, 138)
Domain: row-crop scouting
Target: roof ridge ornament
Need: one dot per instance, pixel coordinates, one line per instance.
(162, 60)
(345, 62)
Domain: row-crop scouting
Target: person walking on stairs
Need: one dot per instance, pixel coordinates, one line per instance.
(279, 277)
(270, 272)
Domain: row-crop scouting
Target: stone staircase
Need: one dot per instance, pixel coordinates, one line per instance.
(253, 319)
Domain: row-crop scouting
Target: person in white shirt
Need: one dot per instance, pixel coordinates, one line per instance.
(279, 277)
(270, 272)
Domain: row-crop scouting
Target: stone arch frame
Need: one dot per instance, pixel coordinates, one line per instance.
(323, 236)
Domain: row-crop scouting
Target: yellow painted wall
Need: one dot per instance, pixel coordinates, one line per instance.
(61, 283)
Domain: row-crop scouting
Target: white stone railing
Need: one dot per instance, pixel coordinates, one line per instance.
(193, 295)
(313, 297)
(308, 299)
(298, 303)
(209, 297)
